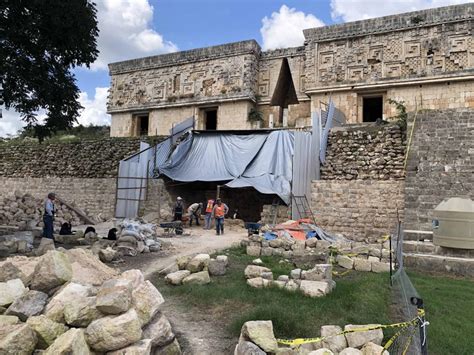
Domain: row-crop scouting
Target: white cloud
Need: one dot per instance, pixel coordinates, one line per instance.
(349, 10)
(285, 28)
(126, 32)
(94, 112)
(10, 123)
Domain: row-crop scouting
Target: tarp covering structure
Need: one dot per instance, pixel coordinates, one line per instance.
(263, 160)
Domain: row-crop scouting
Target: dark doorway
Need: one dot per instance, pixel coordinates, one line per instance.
(143, 124)
(372, 108)
(210, 119)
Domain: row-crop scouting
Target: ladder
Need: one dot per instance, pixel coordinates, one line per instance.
(274, 210)
(303, 208)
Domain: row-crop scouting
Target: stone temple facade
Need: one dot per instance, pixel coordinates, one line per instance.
(423, 58)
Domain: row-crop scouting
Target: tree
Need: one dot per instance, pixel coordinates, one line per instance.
(41, 41)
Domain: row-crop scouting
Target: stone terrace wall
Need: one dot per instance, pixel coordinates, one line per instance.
(79, 159)
(365, 152)
(358, 209)
(440, 163)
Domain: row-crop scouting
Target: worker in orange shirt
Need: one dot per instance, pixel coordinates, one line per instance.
(208, 217)
(219, 211)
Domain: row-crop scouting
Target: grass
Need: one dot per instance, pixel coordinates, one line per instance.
(359, 298)
(449, 307)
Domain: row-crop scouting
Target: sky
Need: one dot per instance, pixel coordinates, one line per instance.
(137, 28)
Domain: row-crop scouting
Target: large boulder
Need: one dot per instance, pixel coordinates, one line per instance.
(159, 331)
(320, 272)
(252, 271)
(81, 312)
(135, 276)
(142, 347)
(46, 330)
(332, 341)
(114, 296)
(29, 304)
(198, 278)
(315, 288)
(55, 308)
(176, 278)
(114, 332)
(10, 291)
(108, 255)
(358, 338)
(9, 271)
(182, 261)
(17, 339)
(345, 261)
(216, 267)
(198, 263)
(52, 270)
(87, 269)
(373, 349)
(72, 342)
(146, 300)
(261, 334)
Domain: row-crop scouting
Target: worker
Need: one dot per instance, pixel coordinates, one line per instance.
(48, 216)
(194, 211)
(208, 217)
(178, 209)
(219, 211)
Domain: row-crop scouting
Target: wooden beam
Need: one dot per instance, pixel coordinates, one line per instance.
(76, 210)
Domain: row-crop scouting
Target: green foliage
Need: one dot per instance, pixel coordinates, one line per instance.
(40, 42)
(255, 115)
(402, 115)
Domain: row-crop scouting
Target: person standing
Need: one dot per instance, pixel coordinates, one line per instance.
(219, 211)
(48, 216)
(178, 209)
(194, 211)
(208, 217)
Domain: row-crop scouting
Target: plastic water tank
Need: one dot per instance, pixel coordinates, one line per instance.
(454, 223)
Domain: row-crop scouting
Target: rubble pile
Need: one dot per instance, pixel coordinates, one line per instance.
(73, 306)
(195, 270)
(316, 282)
(257, 337)
(25, 212)
(135, 237)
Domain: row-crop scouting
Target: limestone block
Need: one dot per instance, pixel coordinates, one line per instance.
(159, 331)
(359, 338)
(135, 276)
(216, 267)
(183, 261)
(246, 347)
(284, 278)
(172, 348)
(71, 342)
(373, 349)
(198, 278)
(198, 263)
(176, 278)
(261, 334)
(9, 271)
(17, 339)
(169, 269)
(55, 308)
(267, 251)
(322, 351)
(257, 261)
(252, 271)
(5, 320)
(146, 300)
(114, 332)
(345, 262)
(311, 242)
(46, 330)
(256, 282)
(279, 283)
(350, 351)
(292, 286)
(295, 274)
(315, 288)
(29, 304)
(142, 347)
(335, 343)
(320, 272)
(114, 296)
(53, 270)
(81, 312)
(276, 243)
(10, 291)
(254, 250)
(378, 266)
(362, 264)
(373, 259)
(223, 258)
(267, 275)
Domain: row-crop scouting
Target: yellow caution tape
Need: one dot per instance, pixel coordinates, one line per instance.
(337, 273)
(300, 341)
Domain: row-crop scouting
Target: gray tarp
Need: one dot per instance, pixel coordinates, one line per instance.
(261, 160)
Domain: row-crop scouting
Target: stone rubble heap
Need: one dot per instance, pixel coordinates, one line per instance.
(195, 270)
(369, 256)
(26, 212)
(257, 338)
(78, 306)
(316, 282)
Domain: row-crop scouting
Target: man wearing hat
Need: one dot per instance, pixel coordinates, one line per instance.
(178, 209)
(48, 216)
(219, 212)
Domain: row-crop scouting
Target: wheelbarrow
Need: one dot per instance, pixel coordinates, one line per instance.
(175, 227)
(253, 228)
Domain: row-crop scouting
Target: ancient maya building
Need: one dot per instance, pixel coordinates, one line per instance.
(423, 58)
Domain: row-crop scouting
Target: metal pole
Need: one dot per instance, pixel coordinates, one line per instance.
(390, 249)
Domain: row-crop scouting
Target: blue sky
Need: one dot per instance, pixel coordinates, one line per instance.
(138, 28)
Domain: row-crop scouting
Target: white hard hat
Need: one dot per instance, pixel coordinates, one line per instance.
(179, 198)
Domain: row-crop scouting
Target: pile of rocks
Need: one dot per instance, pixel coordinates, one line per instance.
(135, 237)
(195, 270)
(25, 212)
(257, 337)
(370, 256)
(63, 313)
(316, 282)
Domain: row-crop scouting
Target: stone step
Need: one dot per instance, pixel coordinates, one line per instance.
(448, 265)
(427, 247)
(409, 234)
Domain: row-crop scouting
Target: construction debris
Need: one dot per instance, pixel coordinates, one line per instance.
(63, 312)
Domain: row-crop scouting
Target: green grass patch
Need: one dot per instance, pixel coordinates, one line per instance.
(449, 307)
(359, 298)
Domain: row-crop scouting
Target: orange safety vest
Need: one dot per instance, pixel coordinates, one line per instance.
(220, 211)
(210, 206)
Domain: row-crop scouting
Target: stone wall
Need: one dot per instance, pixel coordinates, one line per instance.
(365, 152)
(440, 163)
(97, 158)
(95, 196)
(359, 209)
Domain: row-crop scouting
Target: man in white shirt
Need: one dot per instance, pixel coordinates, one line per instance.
(48, 217)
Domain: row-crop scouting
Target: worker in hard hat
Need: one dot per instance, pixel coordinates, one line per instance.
(178, 209)
(194, 212)
(219, 212)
